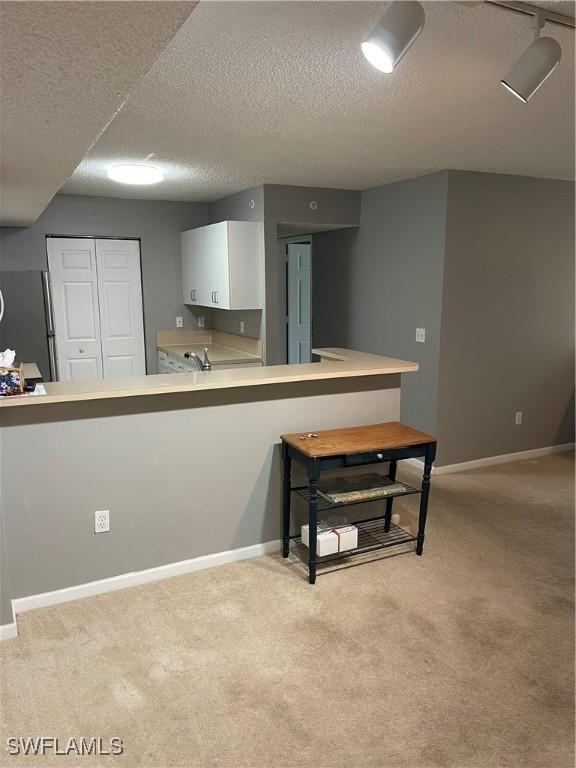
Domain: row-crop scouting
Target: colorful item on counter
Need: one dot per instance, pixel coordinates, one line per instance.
(11, 381)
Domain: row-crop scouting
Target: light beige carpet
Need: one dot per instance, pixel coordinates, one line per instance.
(462, 658)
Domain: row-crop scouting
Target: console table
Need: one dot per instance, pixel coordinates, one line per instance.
(344, 448)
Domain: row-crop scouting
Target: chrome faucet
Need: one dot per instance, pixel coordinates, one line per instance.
(203, 365)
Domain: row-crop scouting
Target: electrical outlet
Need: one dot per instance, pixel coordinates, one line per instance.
(242, 327)
(179, 322)
(421, 335)
(102, 521)
(518, 418)
(200, 321)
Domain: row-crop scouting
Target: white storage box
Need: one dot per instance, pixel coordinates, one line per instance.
(326, 541)
(347, 537)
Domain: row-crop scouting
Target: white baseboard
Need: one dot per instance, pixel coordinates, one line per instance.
(414, 465)
(8, 631)
(135, 578)
(488, 460)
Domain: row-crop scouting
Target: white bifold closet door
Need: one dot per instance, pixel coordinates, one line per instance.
(120, 299)
(97, 306)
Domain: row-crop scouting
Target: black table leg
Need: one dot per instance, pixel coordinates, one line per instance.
(388, 515)
(429, 458)
(286, 479)
(313, 477)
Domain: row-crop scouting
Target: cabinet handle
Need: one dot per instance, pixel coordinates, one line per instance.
(215, 297)
(380, 456)
(193, 294)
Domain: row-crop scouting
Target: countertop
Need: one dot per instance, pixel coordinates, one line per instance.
(336, 364)
(217, 354)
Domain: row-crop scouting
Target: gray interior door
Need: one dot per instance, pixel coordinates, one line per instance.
(299, 302)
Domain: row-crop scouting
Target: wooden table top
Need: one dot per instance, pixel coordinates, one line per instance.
(375, 437)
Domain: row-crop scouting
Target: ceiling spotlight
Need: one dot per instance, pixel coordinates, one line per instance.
(394, 34)
(135, 174)
(535, 65)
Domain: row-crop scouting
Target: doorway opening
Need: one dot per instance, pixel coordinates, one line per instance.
(296, 297)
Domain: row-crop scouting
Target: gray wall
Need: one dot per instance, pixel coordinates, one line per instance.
(171, 497)
(6, 616)
(275, 206)
(485, 263)
(157, 223)
(373, 287)
(247, 205)
(285, 205)
(508, 316)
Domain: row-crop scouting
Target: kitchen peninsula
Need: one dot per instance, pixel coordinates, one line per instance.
(335, 364)
(188, 465)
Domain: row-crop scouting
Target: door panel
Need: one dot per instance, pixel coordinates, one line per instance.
(72, 264)
(77, 258)
(216, 265)
(82, 368)
(299, 302)
(117, 304)
(121, 366)
(80, 324)
(120, 291)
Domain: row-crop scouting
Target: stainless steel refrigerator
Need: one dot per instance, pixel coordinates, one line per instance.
(27, 325)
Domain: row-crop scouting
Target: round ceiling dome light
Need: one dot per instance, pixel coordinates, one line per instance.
(535, 66)
(394, 34)
(135, 174)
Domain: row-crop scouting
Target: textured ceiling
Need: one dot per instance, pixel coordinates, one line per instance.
(66, 69)
(274, 92)
(566, 7)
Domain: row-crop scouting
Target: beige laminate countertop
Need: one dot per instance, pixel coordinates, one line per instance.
(218, 354)
(336, 364)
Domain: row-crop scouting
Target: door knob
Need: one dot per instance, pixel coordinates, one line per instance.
(380, 456)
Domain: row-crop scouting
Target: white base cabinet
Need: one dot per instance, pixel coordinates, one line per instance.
(222, 265)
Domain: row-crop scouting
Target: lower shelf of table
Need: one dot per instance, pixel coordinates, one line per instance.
(371, 537)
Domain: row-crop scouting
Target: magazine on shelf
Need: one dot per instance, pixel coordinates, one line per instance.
(344, 490)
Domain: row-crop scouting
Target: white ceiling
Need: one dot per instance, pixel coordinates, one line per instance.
(66, 69)
(279, 92)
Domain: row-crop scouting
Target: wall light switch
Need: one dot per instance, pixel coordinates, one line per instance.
(421, 335)
(200, 321)
(179, 322)
(518, 418)
(242, 327)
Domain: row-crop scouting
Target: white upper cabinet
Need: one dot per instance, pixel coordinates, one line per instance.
(222, 265)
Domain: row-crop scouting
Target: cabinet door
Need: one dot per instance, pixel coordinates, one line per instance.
(205, 265)
(191, 267)
(216, 265)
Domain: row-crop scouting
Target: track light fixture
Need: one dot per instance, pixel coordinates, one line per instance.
(394, 34)
(534, 66)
